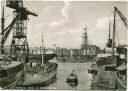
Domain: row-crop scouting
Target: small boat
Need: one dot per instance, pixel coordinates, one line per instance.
(93, 68)
(72, 79)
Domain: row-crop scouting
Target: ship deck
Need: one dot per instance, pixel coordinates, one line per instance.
(8, 64)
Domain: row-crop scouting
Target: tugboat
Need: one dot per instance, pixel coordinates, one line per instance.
(93, 68)
(72, 79)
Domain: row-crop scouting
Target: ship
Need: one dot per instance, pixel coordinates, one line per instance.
(112, 64)
(11, 72)
(105, 76)
(121, 55)
(121, 74)
(103, 68)
(12, 60)
(42, 68)
(93, 69)
(40, 72)
(72, 79)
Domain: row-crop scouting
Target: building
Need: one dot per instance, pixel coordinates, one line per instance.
(88, 51)
(63, 54)
(75, 55)
(84, 54)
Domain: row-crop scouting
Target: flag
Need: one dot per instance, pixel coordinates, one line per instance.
(54, 44)
(85, 28)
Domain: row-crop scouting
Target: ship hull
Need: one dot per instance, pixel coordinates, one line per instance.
(13, 84)
(106, 79)
(38, 79)
(14, 75)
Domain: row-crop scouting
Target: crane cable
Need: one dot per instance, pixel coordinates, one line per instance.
(117, 37)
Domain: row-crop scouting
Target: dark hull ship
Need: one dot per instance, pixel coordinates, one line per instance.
(12, 62)
(10, 74)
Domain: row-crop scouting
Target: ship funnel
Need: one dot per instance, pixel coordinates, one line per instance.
(109, 44)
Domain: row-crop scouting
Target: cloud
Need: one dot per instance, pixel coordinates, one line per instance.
(46, 9)
(62, 24)
(99, 33)
(66, 8)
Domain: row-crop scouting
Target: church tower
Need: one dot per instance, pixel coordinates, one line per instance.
(84, 38)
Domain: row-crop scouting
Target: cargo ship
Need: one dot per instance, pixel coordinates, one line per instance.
(105, 71)
(121, 57)
(40, 71)
(112, 65)
(104, 67)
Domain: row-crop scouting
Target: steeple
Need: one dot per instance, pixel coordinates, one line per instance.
(84, 38)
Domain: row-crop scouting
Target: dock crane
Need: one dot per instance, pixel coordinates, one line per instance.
(124, 20)
(19, 45)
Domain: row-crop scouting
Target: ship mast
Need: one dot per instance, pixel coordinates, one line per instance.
(124, 20)
(109, 30)
(114, 29)
(109, 43)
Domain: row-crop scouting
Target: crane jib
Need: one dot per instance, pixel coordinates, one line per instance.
(122, 17)
(6, 32)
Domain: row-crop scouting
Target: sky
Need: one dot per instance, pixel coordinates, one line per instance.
(62, 22)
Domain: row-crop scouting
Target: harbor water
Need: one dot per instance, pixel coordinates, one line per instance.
(85, 79)
(81, 69)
